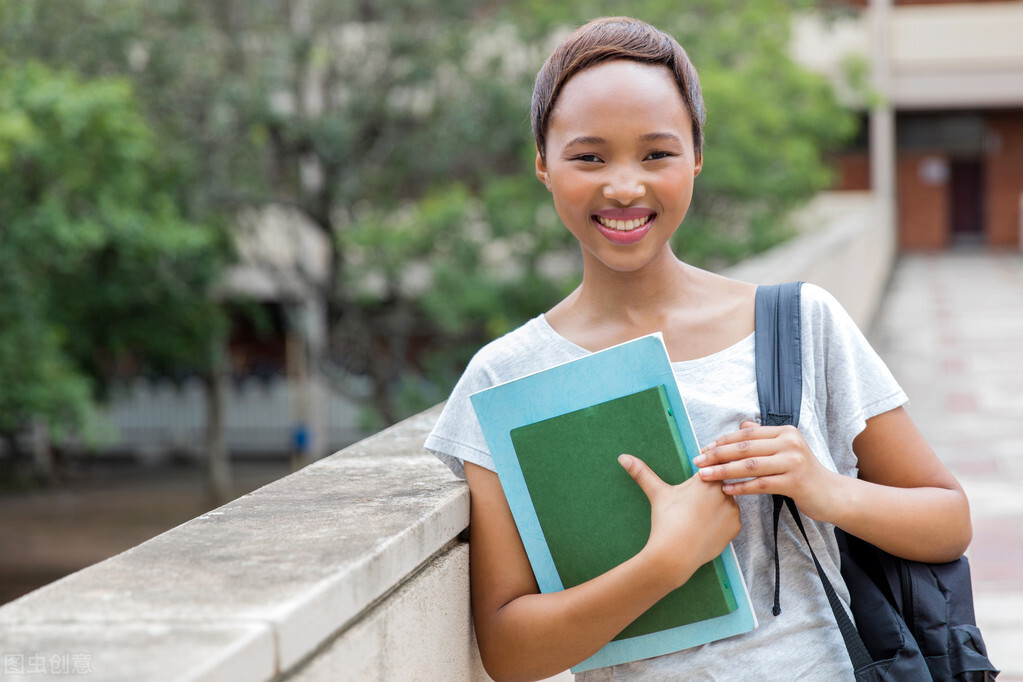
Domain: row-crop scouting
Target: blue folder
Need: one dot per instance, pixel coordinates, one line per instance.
(608, 375)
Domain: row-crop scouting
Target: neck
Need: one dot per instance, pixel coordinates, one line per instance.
(698, 312)
(647, 293)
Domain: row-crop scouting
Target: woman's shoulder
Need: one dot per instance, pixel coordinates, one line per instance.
(528, 348)
(817, 297)
(821, 309)
(522, 339)
(835, 341)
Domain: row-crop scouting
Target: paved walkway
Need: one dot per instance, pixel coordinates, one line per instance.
(951, 329)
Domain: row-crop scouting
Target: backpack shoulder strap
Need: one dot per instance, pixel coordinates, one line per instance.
(778, 353)
(779, 367)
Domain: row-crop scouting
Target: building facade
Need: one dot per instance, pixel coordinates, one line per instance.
(946, 89)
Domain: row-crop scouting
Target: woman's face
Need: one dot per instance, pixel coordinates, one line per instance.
(620, 162)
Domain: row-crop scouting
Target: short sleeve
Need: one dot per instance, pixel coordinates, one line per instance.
(850, 381)
(457, 436)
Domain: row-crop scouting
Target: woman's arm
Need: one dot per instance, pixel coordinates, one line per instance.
(921, 510)
(905, 500)
(523, 634)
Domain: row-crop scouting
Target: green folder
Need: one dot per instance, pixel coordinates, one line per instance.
(594, 516)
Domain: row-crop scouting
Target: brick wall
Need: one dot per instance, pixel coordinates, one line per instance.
(1004, 171)
(923, 201)
(852, 171)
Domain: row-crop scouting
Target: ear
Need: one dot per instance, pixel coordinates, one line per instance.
(698, 165)
(541, 170)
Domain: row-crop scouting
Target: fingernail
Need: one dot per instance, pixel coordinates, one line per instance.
(625, 461)
(700, 460)
(706, 473)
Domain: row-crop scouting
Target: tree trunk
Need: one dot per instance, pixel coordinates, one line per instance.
(42, 454)
(15, 468)
(219, 483)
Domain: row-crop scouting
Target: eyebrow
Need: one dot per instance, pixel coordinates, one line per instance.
(648, 137)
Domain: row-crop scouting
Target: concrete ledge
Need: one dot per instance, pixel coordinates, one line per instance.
(427, 621)
(844, 246)
(249, 590)
(117, 652)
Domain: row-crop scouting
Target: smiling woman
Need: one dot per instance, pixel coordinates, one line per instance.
(620, 161)
(617, 118)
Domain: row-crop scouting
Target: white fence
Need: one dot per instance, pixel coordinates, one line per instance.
(154, 419)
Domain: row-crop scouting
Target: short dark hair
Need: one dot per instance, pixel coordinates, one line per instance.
(607, 39)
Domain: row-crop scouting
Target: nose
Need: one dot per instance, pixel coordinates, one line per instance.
(624, 185)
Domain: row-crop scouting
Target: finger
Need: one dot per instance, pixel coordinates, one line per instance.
(755, 486)
(649, 482)
(743, 468)
(734, 452)
(750, 431)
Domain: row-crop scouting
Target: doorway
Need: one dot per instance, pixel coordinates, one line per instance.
(966, 197)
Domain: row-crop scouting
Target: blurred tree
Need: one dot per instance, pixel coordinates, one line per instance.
(97, 265)
(337, 110)
(400, 130)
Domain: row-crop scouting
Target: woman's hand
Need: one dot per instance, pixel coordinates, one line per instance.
(676, 511)
(904, 500)
(524, 634)
(771, 460)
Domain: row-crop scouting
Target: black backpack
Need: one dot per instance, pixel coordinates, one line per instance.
(914, 621)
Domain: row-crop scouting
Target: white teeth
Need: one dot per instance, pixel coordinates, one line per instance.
(623, 225)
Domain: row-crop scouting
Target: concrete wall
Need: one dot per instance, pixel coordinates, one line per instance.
(957, 55)
(350, 569)
(846, 246)
(939, 56)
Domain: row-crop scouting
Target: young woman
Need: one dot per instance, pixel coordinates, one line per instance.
(617, 116)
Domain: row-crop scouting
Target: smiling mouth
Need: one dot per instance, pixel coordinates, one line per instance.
(624, 225)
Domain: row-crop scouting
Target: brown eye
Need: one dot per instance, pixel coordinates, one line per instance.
(657, 156)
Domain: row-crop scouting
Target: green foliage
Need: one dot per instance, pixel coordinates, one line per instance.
(39, 380)
(96, 262)
(462, 262)
(401, 130)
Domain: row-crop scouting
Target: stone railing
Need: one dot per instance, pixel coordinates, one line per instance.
(352, 568)
(845, 245)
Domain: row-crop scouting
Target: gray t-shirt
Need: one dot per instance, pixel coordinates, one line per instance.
(844, 384)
